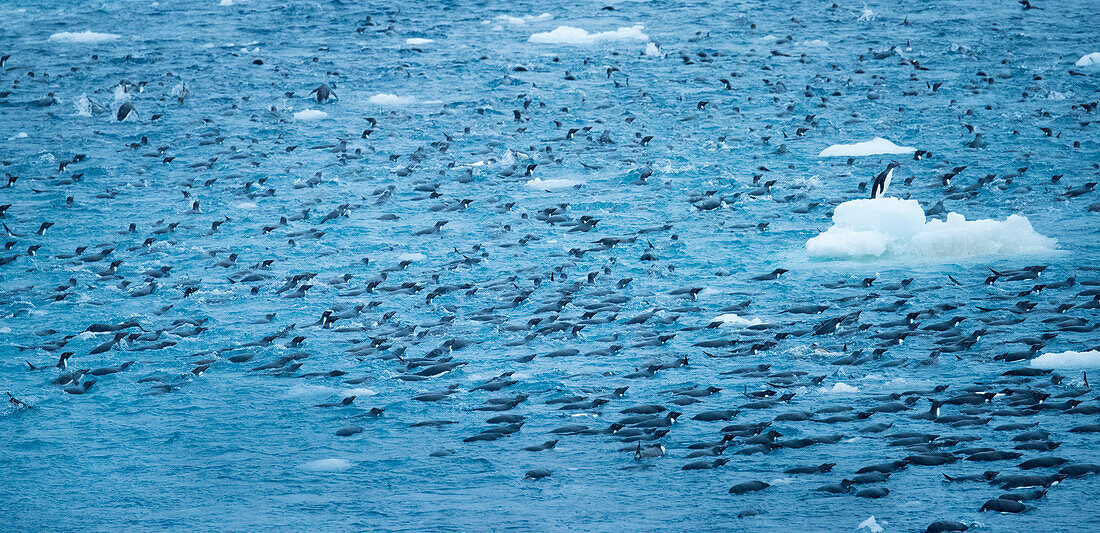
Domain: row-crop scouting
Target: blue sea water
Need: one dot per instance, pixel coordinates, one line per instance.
(215, 91)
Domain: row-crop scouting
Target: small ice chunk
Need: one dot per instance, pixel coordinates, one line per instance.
(1068, 360)
(1089, 60)
(875, 146)
(310, 114)
(88, 37)
(327, 465)
(578, 36)
(390, 100)
(561, 183)
(843, 388)
(871, 525)
(732, 319)
(520, 21)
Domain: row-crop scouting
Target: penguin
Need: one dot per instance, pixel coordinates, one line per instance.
(882, 181)
(324, 93)
(125, 111)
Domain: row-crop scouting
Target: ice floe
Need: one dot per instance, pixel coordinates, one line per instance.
(520, 21)
(1068, 360)
(327, 465)
(89, 37)
(1089, 60)
(578, 36)
(310, 114)
(560, 183)
(842, 388)
(732, 319)
(876, 146)
(870, 525)
(891, 227)
(392, 100)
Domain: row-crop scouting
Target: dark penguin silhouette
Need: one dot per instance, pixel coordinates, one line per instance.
(882, 181)
(324, 93)
(124, 111)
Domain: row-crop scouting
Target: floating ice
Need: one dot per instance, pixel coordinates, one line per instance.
(1089, 60)
(520, 21)
(875, 146)
(732, 319)
(418, 40)
(310, 114)
(578, 36)
(870, 525)
(561, 183)
(884, 227)
(385, 99)
(89, 37)
(843, 388)
(1067, 360)
(327, 465)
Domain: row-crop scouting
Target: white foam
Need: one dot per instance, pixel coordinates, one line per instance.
(550, 184)
(327, 465)
(870, 525)
(414, 256)
(875, 146)
(866, 15)
(299, 390)
(360, 392)
(87, 37)
(386, 99)
(310, 114)
(120, 94)
(83, 106)
(1068, 360)
(732, 319)
(1089, 60)
(816, 43)
(578, 36)
(20, 135)
(521, 21)
(418, 40)
(652, 50)
(225, 3)
(842, 388)
(890, 227)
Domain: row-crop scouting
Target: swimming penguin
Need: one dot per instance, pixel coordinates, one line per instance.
(124, 111)
(882, 181)
(324, 93)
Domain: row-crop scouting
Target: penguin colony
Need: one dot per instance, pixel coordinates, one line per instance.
(531, 270)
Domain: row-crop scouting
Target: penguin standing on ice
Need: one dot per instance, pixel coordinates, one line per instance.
(882, 181)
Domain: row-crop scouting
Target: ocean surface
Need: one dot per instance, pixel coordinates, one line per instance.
(601, 168)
